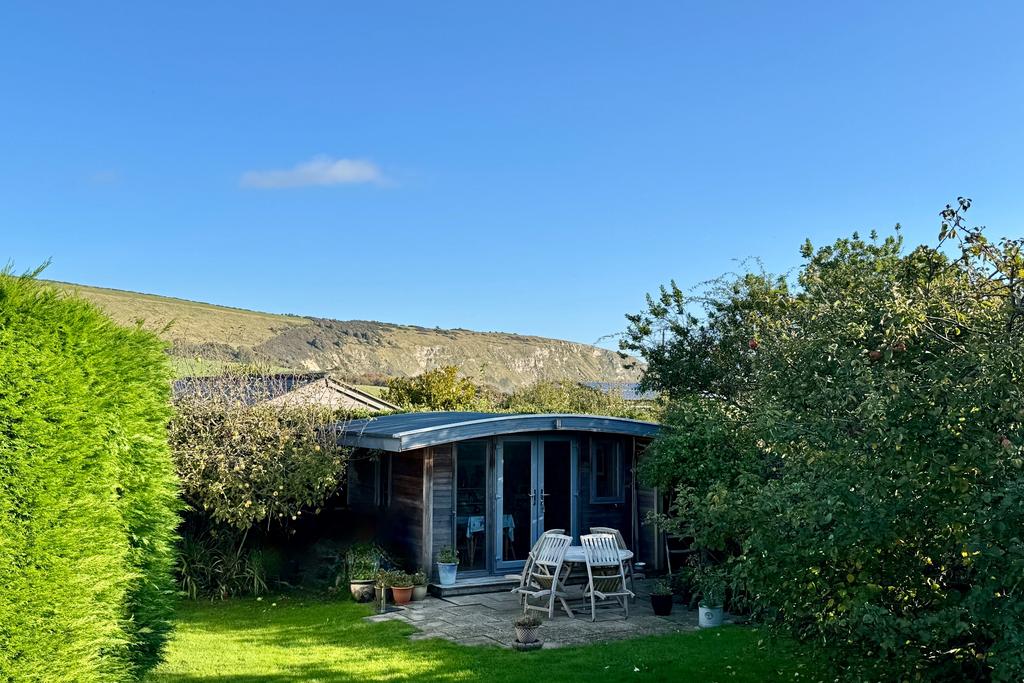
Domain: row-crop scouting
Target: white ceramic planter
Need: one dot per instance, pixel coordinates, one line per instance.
(709, 617)
(526, 634)
(419, 592)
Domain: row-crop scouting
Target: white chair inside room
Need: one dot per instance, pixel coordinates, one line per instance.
(627, 566)
(545, 579)
(606, 579)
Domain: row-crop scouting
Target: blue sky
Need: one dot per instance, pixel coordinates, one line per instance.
(522, 167)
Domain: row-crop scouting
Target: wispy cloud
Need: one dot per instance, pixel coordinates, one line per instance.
(321, 170)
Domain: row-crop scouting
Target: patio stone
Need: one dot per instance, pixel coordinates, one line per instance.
(486, 619)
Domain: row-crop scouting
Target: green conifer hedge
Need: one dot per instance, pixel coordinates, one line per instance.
(88, 494)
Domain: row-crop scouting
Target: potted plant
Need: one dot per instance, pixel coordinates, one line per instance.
(712, 590)
(401, 587)
(362, 563)
(447, 565)
(661, 598)
(381, 584)
(419, 585)
(526, 628)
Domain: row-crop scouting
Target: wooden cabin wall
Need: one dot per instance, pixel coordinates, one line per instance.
(404, 513)
(442, 503)
(361, 481)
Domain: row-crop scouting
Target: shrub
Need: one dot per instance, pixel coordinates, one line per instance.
(527, 621)
(212, 566)
(448, 555)
(439, 389)
(572, 397)
(362, 561)
(87, 491)
(242, 465)
(875, 508)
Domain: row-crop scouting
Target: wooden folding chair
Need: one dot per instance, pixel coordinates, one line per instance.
(606, 579)
(523, 577)
(545, 579)
(627, 566)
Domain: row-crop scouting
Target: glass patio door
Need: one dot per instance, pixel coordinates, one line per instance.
(558, 483)
(515, 523)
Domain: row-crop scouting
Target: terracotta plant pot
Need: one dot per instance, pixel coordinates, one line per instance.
(526, 634)
(362, 591)
(419, 592)
(401, 594)
(662, 605)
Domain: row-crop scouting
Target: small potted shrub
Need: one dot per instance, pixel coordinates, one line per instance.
(419, 585)
(526, 628)
(661, 598)
(447, 565)
(712, 595)
(401, 588)
(381, 584)
(361, 562)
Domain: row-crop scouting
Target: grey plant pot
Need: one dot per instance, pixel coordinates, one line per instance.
(709, 617)
(419, 592)
(446, 573)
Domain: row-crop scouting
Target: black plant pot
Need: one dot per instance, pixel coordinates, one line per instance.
(662, 605)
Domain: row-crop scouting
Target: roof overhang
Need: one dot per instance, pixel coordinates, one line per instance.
(409, 431)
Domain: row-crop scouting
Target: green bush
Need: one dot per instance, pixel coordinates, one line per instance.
(87, 491)
(438, 389)
(573, 397)
(850, 448)
(241, 465)
(216, 566)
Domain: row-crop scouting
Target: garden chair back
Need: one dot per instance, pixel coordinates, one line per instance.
(546, 575)
(628, 564)
(606, 578)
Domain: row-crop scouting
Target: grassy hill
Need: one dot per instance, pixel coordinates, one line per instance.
(206, 338)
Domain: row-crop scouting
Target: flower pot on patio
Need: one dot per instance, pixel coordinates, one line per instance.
(709, 617)
(447, 566)
(661, 598)
(662, 604)
(446, 572)
(419, 592)
(526, 629)
(362, 590)
(401, 594)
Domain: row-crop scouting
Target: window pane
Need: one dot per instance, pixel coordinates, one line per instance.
(607, 469)
(471, 505)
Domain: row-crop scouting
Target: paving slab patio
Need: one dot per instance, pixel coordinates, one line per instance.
(486, 619)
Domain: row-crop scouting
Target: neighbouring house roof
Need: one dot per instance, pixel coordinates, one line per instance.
(283, 389)
(408, 431)
(629, 391)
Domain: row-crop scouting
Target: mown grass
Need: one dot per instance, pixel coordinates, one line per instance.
(309, 640)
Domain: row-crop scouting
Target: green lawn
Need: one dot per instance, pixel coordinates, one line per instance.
(308, 640)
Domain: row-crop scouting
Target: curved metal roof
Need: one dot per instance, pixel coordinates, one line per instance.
(407, 431)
